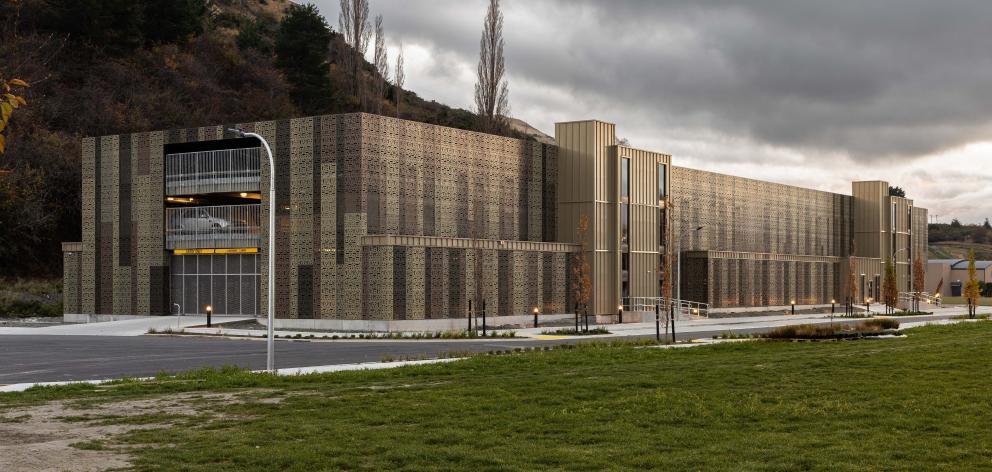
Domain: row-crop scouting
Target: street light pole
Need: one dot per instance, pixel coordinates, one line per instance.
(270, 343)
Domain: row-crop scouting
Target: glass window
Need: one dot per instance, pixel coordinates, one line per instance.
(624, 224)
(662, 173)
(625, 180)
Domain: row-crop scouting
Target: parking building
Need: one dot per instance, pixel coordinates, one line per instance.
(384, 223)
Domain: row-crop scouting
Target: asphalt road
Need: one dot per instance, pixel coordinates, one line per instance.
(30, 358)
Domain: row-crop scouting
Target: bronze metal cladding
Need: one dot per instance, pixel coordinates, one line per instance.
(387, 219)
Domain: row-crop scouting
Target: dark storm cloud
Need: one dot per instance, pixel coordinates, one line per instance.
(870, 79)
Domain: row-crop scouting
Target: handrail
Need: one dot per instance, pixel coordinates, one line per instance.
(923, 297)
(686, 309)
(225, 170)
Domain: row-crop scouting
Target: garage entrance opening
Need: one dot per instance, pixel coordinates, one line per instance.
(227, 282)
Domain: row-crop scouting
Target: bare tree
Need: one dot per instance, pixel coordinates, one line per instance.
(581, 271)
(381, 66)
(398, 79)
(852, 281)
(919, 280)
(890, 287)
(354, 23)
(491, 91)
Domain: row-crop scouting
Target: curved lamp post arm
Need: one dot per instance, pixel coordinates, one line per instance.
(270, 308)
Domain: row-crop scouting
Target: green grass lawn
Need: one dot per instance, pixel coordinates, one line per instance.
(921, 402)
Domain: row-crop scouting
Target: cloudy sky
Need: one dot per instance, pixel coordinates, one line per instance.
(812, 93)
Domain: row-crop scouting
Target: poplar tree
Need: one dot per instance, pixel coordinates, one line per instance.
(399, 78)
(381, 63)
(492, 102)
(355, 27)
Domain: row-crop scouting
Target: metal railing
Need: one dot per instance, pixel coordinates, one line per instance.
(923, 297)
(684, 310)
(226, 226)
(227, 170)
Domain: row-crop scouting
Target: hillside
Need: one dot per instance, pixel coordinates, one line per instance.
(101, 67)
(959, 250)
(953, 241)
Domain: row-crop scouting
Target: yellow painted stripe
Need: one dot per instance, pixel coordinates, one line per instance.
(544, 336)
(239, 250)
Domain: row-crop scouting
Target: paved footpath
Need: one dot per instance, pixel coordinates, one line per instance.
(49, 354)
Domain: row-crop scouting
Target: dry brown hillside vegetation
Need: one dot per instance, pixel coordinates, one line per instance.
(101, 67)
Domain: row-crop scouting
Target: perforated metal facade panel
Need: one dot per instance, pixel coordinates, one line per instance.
(345, 180)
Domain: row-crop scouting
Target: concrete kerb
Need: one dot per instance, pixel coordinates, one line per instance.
(20, 387)
(616, 330)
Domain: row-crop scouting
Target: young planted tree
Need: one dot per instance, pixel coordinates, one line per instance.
(581, 277)
(492, 100)
(890, 287)
(8, 103)
(398, 79)
(667, 282)
(852, 282)
(919, 280)
(354, 23)
(381, 66)
(301, 53)
(972, 289)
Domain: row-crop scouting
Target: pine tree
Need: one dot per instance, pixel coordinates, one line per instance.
(301, 53)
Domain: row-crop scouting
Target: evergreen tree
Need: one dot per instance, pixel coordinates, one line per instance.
(253, 35)
(115, 26)
(301, 53)
(170, 21)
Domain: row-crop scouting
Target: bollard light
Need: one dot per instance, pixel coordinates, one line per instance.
(535, 316)
(620, 313)
(793, 303)
(210, 311)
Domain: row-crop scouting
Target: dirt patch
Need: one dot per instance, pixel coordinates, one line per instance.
(61, 436)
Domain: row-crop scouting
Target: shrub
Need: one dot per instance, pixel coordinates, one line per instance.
(870, 327)
(21, 308)
(880, 323)
(573, 332)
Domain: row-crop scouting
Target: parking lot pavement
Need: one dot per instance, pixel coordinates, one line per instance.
(129, 327)
(52, 358)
